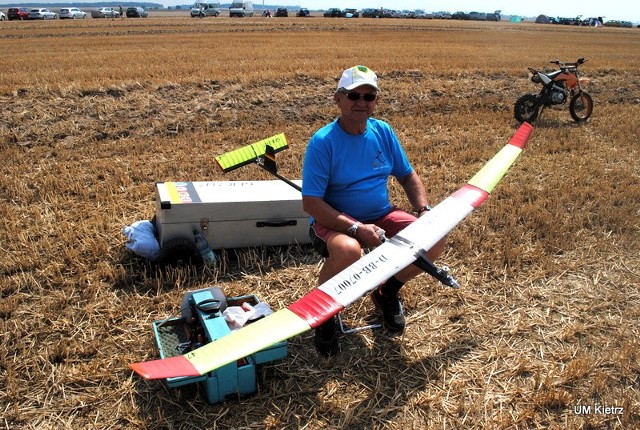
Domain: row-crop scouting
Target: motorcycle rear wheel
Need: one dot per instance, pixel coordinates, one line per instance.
(581, 106)
(526, 108)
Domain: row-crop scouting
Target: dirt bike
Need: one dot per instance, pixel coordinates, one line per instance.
(557, 87)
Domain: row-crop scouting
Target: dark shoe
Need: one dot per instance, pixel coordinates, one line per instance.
(326, 339)
(392, 311)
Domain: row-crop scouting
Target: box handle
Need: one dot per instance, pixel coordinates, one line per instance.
(208, 306)
(284, 223)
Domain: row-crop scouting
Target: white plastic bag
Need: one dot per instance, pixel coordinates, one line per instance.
(141, 239)
(237, 316)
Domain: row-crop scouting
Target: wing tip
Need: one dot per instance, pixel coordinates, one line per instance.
(172, 367)
(522, 135)
(140, 369)
(219, 163)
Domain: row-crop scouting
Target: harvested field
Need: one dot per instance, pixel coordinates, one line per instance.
(543, 333)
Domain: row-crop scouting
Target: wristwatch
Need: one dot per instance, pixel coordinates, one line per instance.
(425, 208)
(353, 230)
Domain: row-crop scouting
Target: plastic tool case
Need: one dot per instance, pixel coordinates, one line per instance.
(231, 214)
(174, 337)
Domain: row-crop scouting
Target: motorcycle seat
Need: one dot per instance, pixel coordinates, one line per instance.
(554, 73)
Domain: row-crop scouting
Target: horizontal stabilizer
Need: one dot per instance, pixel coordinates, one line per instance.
(250, 153)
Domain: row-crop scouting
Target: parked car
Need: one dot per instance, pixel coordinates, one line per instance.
(137, 12)
(351, 13)
(205, 9)
(333, 12)
(495, 16)
(460, 15)
(371, 13)
(105, 12)
(3, 17)
(71, 13)
(282, 12)
(20, 13)
(442, 15)
(41, 13)
(477, 16)
(241, 8)
(303, 12)
(591, 22)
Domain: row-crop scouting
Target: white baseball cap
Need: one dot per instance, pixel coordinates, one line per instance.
(357, 76)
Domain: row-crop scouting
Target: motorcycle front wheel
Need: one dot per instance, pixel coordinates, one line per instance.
(581, 107)
(526, 108)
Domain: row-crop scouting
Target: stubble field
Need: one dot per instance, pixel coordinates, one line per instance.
(543, 333)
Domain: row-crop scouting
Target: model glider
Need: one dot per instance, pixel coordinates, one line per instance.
(250, 153)
(349, 285)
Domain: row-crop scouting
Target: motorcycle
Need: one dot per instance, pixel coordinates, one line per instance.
(557, 87)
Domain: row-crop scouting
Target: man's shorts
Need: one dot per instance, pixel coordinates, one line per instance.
(391, 223)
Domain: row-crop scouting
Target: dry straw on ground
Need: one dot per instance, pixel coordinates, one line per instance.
(544, 327)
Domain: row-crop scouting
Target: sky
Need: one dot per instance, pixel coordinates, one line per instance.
(623, 10)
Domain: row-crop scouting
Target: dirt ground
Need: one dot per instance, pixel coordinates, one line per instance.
(543, 333)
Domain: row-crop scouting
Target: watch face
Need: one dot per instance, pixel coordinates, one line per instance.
(352, 230)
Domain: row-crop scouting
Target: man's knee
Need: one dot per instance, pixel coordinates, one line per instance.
(345, 249)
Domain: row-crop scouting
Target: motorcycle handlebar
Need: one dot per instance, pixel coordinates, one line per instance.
(561, 64)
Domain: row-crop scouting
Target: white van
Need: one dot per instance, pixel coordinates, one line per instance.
(241, 8)
(205, 9)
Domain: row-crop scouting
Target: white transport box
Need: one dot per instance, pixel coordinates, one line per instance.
(231, 214)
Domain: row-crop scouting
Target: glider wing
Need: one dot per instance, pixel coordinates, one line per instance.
(349, 285)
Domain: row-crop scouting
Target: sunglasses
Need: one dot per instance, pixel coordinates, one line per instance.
(368, 97)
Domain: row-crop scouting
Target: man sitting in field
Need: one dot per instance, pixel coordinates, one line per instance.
(346, 168)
